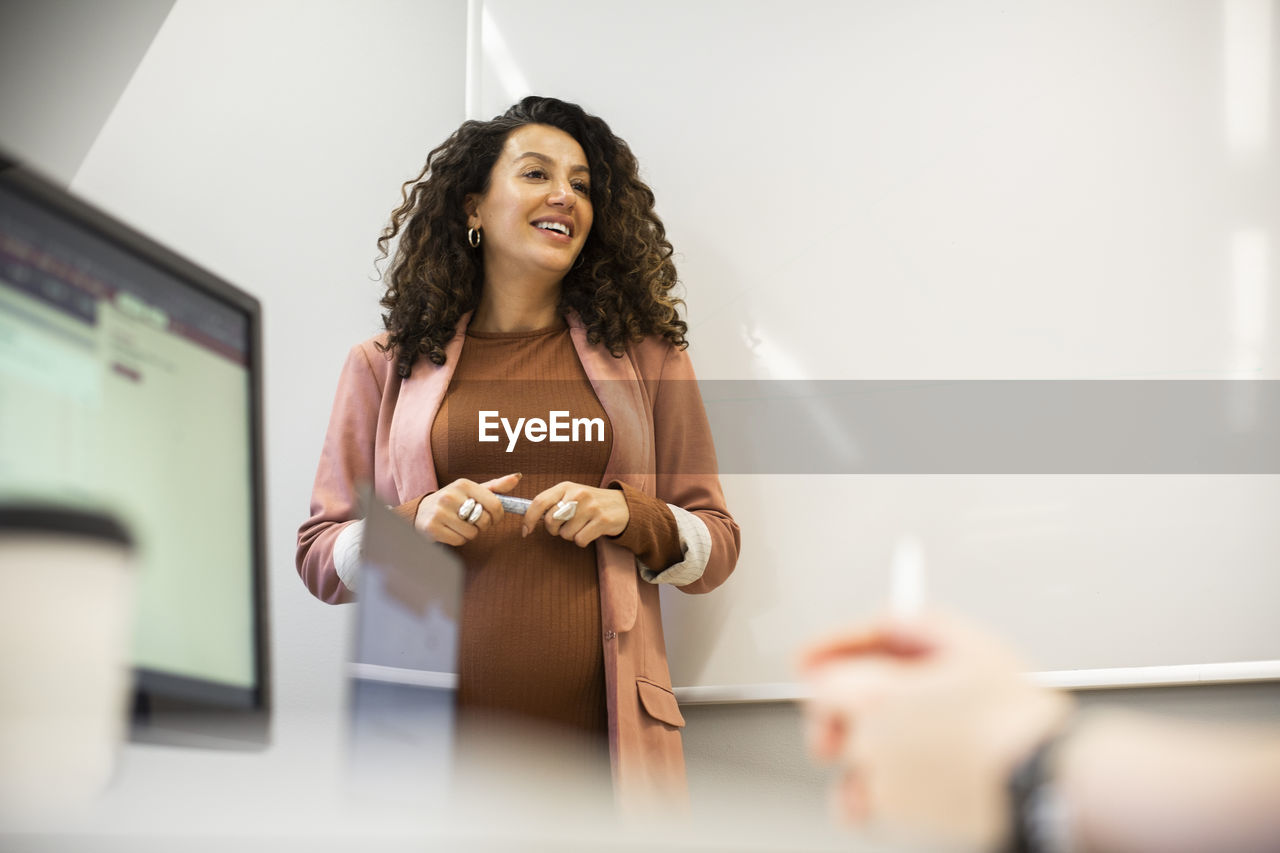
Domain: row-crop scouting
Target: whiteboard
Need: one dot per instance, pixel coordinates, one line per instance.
(955, 191)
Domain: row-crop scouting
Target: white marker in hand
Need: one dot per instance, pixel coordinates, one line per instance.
(906, 579)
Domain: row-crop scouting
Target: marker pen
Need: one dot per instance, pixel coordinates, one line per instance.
(517, 506)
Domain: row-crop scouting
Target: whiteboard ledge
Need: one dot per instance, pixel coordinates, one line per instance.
(1160, 676)
(1112, 678)
(399, 675)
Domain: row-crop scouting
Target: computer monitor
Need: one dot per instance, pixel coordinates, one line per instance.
(130, 382)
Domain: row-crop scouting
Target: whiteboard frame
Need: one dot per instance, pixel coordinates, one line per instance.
(1111, 678)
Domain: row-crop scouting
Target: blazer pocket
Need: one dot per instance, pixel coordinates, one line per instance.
(659, 702)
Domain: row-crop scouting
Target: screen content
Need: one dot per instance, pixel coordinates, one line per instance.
(126, 388)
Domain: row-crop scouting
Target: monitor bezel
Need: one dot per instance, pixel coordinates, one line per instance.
(168, 708)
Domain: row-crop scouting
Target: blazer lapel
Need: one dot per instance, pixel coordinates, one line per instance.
(618, 387)
(421, 395)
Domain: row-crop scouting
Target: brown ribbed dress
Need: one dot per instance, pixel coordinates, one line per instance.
(531, 633)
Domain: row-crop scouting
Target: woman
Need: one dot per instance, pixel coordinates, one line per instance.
(533, 348)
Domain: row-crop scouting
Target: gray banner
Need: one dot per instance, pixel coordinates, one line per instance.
(893, 427)
(995, 427)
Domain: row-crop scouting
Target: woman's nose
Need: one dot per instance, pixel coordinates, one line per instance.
(562, 195)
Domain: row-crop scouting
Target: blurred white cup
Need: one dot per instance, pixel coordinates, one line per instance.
(65, 631)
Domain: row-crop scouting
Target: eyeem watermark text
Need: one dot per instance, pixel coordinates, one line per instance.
(557, 427)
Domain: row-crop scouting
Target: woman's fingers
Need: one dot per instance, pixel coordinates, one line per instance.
(567, 517)
(541, 503)
(450, 525)
(486, 494)
(452, 536)
(503, 485)
(585, 534)
(466, 508)
(449, 529)
(578, 513)
(459, 512)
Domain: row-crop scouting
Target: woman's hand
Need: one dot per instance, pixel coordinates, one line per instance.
(599, 512)
(438, 513)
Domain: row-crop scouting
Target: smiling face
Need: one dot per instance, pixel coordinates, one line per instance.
(535, 216)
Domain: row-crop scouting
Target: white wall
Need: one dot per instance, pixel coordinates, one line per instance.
(63, 65)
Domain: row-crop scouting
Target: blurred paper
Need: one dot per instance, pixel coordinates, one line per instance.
(404, 662)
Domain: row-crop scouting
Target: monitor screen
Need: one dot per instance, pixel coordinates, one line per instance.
(130, 382)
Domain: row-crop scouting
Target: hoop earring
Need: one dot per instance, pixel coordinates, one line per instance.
(473, 238)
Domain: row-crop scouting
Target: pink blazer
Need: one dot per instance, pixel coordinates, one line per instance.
(662, 445)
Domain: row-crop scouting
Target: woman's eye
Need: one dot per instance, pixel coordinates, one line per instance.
(535, 173)
(582, 188)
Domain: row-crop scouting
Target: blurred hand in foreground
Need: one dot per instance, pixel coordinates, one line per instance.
(928, 719)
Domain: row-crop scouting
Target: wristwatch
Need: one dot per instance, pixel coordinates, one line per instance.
(1039, 814)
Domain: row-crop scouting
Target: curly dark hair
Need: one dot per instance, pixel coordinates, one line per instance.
(620, 285)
